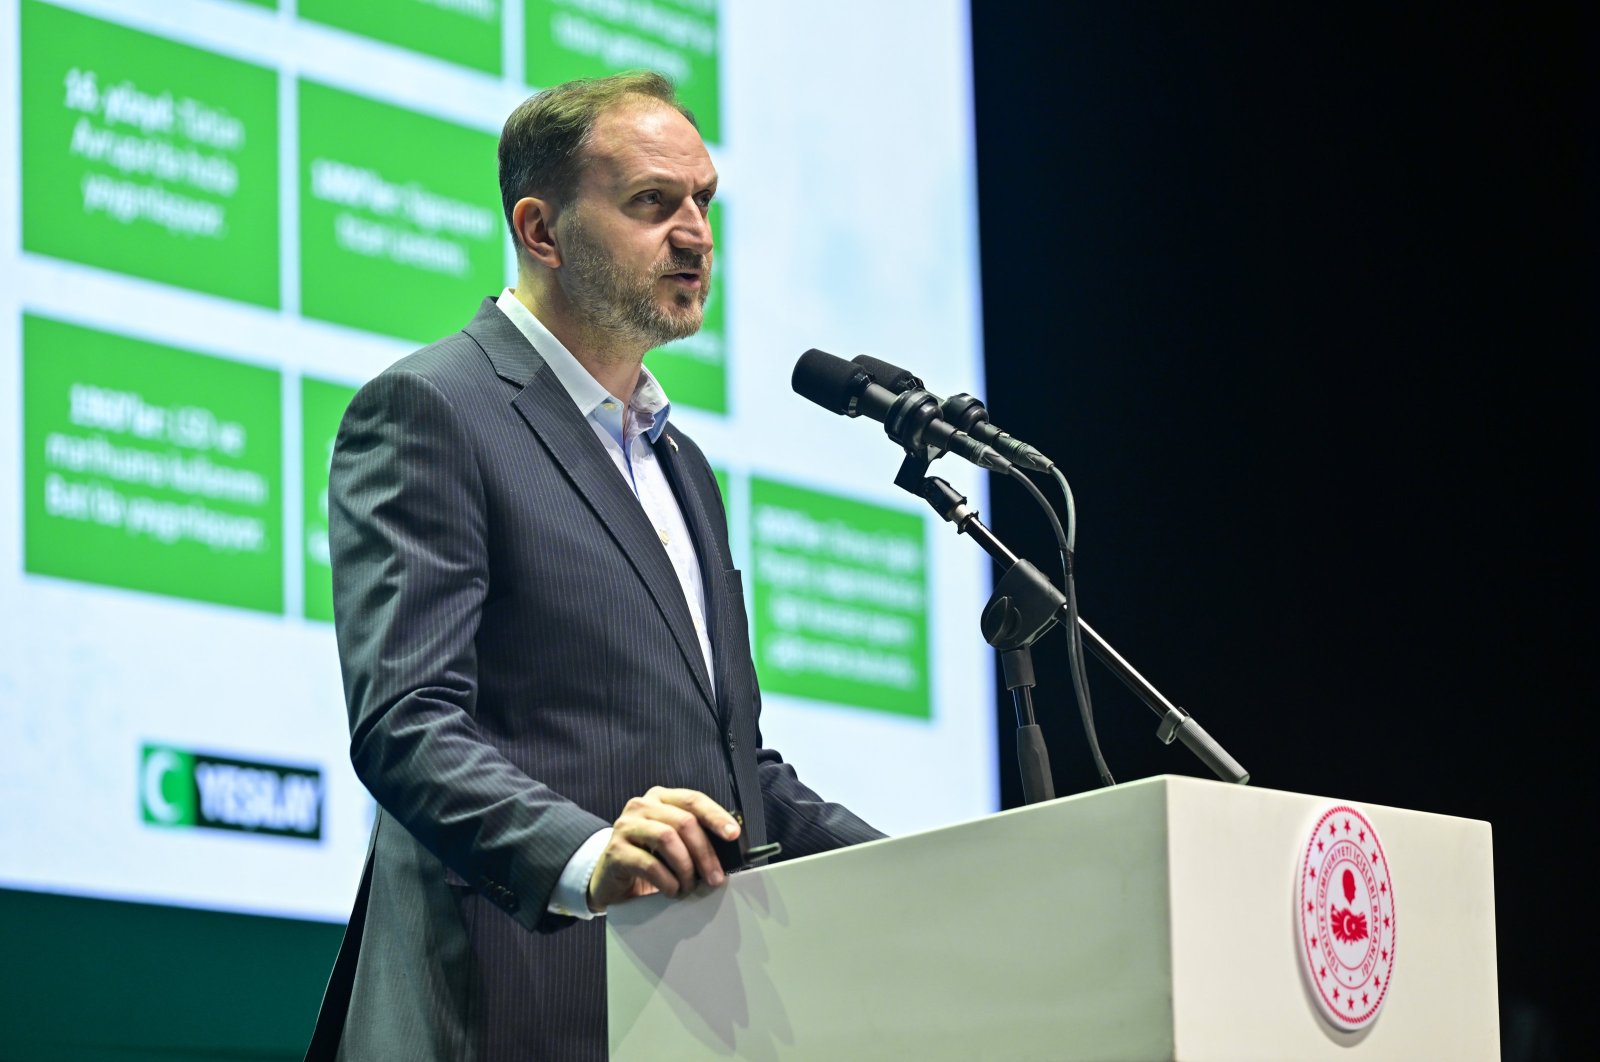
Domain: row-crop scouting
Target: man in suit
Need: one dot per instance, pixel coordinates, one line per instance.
(542, 632)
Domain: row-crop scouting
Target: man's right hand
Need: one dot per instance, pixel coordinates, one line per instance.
(660, 843)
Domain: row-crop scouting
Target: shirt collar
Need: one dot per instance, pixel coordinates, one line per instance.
(647, 408)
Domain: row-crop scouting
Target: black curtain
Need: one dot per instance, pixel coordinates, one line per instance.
(1302, 301)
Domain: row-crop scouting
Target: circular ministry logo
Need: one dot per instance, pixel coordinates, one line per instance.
(1346, 918)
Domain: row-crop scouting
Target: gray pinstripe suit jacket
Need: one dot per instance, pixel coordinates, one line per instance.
(518, 660)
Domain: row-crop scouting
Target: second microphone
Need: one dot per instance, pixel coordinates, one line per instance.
(912, 418)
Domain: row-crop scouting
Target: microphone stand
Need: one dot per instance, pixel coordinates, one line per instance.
(1023, 607)
(1016, 659)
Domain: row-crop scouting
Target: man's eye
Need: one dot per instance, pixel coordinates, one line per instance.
(651, 198)
(704, 199)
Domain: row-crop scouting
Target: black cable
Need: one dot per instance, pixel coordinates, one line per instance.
(1074, 631)
(1064, 546)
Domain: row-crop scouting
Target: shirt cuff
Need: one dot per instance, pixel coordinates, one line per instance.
(571, 895)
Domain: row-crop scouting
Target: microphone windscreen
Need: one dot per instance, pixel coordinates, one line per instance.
(884, 374)
(830, 382)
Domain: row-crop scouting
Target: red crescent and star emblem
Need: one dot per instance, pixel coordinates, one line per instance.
(1346, 918)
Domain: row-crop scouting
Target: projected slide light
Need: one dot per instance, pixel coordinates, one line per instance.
(227, 215)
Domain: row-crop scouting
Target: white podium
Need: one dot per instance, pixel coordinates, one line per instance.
(1155, 920)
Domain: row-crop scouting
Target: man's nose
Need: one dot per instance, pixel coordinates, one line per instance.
(692, 228)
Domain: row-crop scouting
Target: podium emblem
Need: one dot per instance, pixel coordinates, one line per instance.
(1346, 918)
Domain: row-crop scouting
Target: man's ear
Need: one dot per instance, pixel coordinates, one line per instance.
(534, 223)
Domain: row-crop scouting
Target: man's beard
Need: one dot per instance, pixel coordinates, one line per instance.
(625, 306)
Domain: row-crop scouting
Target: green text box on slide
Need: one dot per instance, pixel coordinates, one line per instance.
(841, 593)
(148, 157)
(400, 224)
(694, 370)
(467, 32)
(151, 468)
(322, 404)
(577, 38)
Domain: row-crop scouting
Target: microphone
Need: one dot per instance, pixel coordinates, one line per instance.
(893, 377)
(963, 412)
(911, 418)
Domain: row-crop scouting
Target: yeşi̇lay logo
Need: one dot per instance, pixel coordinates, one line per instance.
(182, 788)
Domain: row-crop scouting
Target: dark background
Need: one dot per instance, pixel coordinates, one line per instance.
(1300, 300)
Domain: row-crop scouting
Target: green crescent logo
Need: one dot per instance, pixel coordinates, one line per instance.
(166, 786)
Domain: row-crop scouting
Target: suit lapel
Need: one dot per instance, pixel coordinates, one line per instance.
(711, 563)
(549, 411)
(736, 698)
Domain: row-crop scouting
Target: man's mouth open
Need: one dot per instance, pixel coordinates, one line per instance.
(688, 279)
